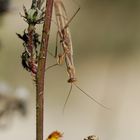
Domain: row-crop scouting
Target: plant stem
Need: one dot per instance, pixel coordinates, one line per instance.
(31, 31)
(41, 71)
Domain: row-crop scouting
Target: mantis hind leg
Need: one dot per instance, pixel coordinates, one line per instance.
(51, 66)
(93, 99)
(60, 57)
(64, 106)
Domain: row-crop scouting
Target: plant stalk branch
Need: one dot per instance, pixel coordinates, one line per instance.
(41, 71)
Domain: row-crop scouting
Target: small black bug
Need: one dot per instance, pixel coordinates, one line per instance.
(25, 58)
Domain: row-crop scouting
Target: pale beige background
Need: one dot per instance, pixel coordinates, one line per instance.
(106, 38)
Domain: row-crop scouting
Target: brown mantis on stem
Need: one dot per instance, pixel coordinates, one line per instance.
(67, 48)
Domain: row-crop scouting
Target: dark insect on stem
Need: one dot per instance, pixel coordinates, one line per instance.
(23, 37)
(27, 64)
(24, 60)
(36, 40)
(36, 44)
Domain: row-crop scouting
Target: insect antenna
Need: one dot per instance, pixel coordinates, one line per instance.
(93, 99)
(64, 106)
(67, 24)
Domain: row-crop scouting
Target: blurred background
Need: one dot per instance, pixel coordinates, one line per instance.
(106, 39)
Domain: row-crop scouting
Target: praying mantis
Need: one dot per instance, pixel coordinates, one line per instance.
(66, 47)
(65, 40)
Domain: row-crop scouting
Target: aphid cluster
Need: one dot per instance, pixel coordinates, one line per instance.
(29, 57)
(31, 42)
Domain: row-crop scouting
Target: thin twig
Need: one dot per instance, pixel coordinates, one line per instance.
(41, 70)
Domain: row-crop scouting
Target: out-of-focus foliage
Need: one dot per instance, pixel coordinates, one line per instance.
(4, 5)
(11, 103)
